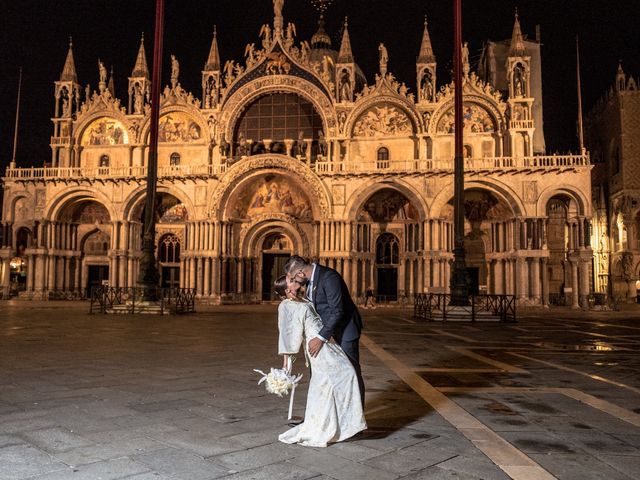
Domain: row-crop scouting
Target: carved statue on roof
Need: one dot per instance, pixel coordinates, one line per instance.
(465, 58)
(277, 8)
(102, 71)
(384, 58)
(175, 70)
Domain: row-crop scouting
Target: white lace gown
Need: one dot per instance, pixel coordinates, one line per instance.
(334, 410)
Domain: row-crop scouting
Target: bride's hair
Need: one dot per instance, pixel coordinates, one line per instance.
(280, 286)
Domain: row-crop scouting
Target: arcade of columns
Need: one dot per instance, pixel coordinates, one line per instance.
(377, 138)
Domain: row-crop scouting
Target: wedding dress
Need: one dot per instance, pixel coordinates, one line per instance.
(334, 409)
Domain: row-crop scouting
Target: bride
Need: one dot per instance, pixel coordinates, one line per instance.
(334, 409)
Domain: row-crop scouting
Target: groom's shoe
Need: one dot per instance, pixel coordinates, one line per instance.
(295, 421)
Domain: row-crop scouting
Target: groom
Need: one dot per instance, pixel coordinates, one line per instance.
(330, 296)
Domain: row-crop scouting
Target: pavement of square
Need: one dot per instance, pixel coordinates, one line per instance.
(556, 395)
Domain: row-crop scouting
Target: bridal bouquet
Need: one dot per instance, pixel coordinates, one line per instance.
(278, 381)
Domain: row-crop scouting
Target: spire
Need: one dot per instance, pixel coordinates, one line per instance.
(213, 62)
(345, 55)
(69, 70)
(426, 51)
(110, 85)
(517, 42)
(140, 69)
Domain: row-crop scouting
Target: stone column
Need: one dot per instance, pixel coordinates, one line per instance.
(509, 281)
(347, 273)
(40, 271)
(5, 281)
(192, 273)
(535, 279)
(78, 275)
(436, 274)
(498, 277)
(584, 284)
(523, 280)
(207, 277)
(240, 275)
(575, 300)
(545, 283)
(216, 276)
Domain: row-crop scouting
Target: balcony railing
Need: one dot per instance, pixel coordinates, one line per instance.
(545, 162)
(542, 162)
(166, 171)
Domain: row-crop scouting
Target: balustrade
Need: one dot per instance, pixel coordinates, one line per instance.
(543, 162)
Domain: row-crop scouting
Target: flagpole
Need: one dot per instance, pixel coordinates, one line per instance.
(458, 282)
(580, 126)
(15, 132)
(149, 276)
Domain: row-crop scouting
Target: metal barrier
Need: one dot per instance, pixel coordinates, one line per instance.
(436, 306)
(135, 300)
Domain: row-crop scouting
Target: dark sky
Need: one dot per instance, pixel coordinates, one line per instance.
(34, 35)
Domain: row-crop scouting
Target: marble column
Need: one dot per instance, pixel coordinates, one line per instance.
(536, 286)
(207, 277)
(523, 279)
(575, 299)
(584, 284)
(545, 282)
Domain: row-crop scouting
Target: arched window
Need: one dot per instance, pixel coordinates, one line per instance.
(104, 160)
(468, 151)
(169, 249)
(387, 250)
(174, 159)
(382, 157)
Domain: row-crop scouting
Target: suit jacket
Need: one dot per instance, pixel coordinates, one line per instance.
(340, 317)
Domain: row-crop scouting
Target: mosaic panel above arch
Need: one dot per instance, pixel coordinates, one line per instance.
(387, 205)
(269, 194)
(178, 127)
(105, 131)
(475, 119)
(383, 121)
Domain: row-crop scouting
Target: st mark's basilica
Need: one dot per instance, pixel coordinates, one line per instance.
(293, 150)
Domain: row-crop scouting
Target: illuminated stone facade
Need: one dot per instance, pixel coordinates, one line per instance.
(293, 151)
(613, 137)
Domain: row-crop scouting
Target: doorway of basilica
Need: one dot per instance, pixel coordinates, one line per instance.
(276, 250)
(387, 260)
(97, 275)
(169, 258)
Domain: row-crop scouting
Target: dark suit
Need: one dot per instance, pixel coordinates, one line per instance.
(340, 317)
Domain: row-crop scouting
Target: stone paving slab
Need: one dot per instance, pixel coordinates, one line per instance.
(144, 397)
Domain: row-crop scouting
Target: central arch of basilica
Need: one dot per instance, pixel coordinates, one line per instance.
(292, 150)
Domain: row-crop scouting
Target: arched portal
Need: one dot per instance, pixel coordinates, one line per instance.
(562, 240)
(276, 248)
(388, 238)
(486, 216)
(84, 227)
(265, 248)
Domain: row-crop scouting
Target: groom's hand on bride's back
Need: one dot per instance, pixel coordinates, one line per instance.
(315, 344)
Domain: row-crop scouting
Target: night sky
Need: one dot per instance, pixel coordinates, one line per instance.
(35, 35)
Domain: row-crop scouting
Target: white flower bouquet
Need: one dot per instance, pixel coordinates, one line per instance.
(279, 381)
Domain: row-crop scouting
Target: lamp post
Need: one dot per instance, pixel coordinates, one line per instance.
(149, 275)
(459, 280)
